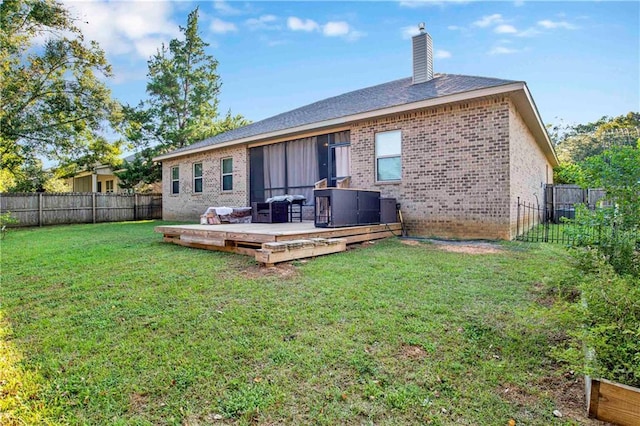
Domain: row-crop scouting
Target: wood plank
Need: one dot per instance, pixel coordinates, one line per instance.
(251, 237)
(352, 239)
(616, 403)
(342, 232)
(205, 241)
(270, 257)
(593, 387)
(228, 249)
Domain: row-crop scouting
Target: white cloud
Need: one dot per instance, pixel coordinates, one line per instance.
(225, 8)
(550, 25)
(505, 29)
(122, 28)
(529, 32)
(335, 29)
(296, 24)
(442, 54)
(330, 29)
(147, 47)
(455, 28)
(518, 3)
(410, 31)
(421, 3)
(488, 20)
(502, 50)
(264, 22)
(219, 26)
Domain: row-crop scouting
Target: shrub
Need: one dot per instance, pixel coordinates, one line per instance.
(7, 219)
(604, 230)
(610, 314)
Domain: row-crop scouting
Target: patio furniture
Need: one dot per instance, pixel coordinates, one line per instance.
(271, 212)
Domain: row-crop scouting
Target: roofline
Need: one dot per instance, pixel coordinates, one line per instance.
(427, 103)
(540, 129)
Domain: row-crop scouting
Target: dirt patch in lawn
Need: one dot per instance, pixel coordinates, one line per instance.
(567, 393)
(466, 247)
(280, 270)
(138, 402)
(471, 248)
(412, 352)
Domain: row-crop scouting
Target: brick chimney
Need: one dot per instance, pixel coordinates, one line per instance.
(422, 56)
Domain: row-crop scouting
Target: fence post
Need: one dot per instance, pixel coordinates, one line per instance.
(135, 206)
(40, 202)
(93, 206)
(518, 220)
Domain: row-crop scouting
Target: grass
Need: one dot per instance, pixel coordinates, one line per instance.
(105, 324)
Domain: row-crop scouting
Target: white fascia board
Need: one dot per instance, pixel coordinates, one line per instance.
(458, 97)
(529, 112)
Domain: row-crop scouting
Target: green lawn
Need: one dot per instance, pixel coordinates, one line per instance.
(105, 324)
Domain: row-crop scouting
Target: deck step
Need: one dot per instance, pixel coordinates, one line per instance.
(272, 253)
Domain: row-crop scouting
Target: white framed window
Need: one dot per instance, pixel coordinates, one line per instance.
(109, 185)
(175, 180)
(227, 174)
(388, 156)
(197, 177)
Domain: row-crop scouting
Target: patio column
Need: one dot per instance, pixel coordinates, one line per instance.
(94, 183)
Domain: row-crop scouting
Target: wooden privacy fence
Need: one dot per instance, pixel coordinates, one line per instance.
(39, 209)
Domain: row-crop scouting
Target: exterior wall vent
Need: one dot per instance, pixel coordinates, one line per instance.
(422, 57)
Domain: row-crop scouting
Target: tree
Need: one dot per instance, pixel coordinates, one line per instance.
(576, 143)
(182, 107)
(32, 177)
(141, 169)
(617, 170)
(52, 102)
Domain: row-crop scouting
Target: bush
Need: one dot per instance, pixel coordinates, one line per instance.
(7, 219)
(610, 314)
(604, 231)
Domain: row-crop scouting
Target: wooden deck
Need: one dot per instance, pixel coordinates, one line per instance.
(297, 239)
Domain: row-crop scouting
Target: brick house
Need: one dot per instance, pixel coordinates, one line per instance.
(455, 151)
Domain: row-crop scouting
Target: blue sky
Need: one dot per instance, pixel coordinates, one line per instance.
(581, 60)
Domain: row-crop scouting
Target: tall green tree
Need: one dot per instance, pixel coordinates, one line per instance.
(576, 144)
(182, 106)
(52, 102)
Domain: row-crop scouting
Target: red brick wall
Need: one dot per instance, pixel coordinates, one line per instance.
(455, 168)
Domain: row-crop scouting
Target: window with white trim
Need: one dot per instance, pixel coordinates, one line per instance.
(175, 180)
(227, 174)
(197, 177)
(388, 156)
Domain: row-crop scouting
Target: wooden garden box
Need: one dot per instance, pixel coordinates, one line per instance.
(613, 402)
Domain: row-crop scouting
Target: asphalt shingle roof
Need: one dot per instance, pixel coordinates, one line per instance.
(393, 93)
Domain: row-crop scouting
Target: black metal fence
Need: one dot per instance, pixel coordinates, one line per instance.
(536, 223)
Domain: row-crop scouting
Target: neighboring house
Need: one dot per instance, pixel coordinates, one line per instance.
(103, 180)
(100, 179)
(455, 151)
